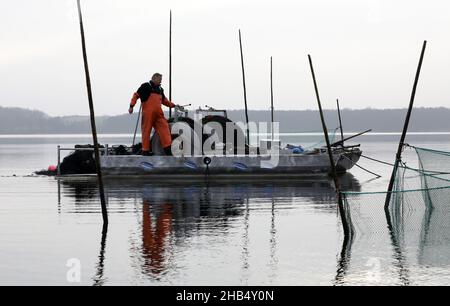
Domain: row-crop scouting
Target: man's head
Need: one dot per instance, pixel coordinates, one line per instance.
(157, 79)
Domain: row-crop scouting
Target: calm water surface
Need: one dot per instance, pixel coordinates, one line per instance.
(194, 233)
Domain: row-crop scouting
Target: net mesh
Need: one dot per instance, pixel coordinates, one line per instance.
(412, 232)
(416, 192)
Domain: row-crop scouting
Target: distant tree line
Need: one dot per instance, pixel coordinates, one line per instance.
(24, 121)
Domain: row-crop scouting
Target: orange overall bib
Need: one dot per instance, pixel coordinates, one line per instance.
(153, 117)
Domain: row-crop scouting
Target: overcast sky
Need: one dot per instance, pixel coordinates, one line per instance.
(365, 52)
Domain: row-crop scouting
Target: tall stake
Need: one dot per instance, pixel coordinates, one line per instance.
(94, 129)
(271, 96)
(245, 88)
(330, 154)
(170, 63)
(340, 122)
(401, 144)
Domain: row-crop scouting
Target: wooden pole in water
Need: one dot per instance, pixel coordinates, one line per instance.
(405, 127)
(245, 87)
(325, 130)
(330, 154)
(170, 63)
(93, 126)
(340, 122)
(271, 96)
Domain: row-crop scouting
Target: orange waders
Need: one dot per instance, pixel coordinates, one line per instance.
(153, 117)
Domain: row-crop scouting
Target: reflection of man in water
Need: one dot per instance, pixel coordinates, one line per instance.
(154, 236)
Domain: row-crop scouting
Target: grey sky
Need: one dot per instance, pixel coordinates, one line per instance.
(365, 52)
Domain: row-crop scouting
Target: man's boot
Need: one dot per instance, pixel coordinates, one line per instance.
(168, 150)
(147, 153)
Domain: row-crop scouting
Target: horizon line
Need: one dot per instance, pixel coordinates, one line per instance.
(233, 110)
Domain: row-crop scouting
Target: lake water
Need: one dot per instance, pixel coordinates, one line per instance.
(162, 233)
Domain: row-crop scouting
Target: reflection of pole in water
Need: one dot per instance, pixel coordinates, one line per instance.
(395, 218)
(245, 250)
(273, 242)
(425, 226)
(344, 260)
(59, 197)
(403, 272)
(98, 279)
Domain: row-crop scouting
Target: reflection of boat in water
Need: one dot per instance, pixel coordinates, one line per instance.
(214, 192)
(172, 213)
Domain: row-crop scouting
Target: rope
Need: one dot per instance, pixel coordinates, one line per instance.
(406, 167)
(395, 191)
(429, 173)
(378, 161)
(428, 150)
(373, 173)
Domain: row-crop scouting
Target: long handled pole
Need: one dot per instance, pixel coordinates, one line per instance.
(405, 127)
(245, 87)
(271, 96)
(330, 154)
(93, 126)
(341, 142)
(170, 63)
(340, 121)
(137, 124)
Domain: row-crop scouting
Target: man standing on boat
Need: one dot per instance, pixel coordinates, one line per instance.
(152, 97)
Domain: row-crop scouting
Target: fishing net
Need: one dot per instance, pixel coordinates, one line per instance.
(416, 191)
(415, 225)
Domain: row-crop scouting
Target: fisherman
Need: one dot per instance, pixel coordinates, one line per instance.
(152, 97)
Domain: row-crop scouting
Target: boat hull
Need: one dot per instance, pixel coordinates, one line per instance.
(226, 166)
